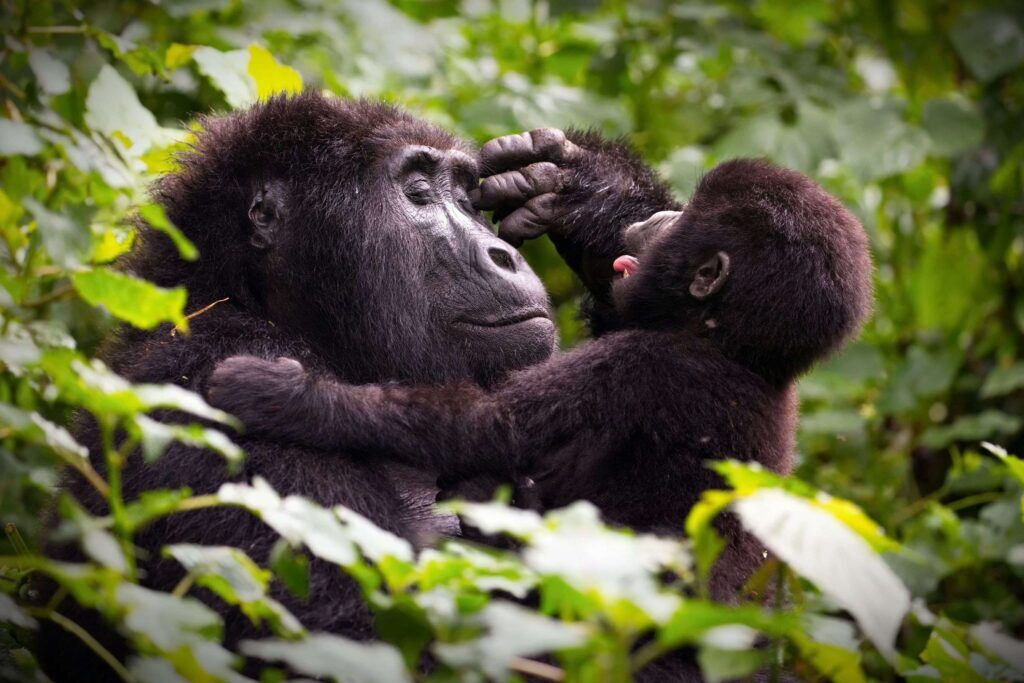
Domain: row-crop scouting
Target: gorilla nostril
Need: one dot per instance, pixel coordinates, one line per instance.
(503, 259)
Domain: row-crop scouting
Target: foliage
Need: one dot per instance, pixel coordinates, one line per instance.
(912, 113)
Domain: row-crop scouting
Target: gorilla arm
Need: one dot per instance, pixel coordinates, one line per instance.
(580, 189)
(454, 431)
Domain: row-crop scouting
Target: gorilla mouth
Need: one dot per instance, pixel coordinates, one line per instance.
(506, 320)
(625, 265)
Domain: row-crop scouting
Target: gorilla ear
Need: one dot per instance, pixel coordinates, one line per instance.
(711, 275)
(265, 214)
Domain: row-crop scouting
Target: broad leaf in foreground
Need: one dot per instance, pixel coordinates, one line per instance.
(823, 549)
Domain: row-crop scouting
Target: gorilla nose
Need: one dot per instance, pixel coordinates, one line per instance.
(503, 258)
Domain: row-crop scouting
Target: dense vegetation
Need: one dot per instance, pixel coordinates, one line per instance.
(912, 113)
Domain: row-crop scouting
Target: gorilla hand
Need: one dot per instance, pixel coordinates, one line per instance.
(528, 171)
(266, 395)
(577, 187)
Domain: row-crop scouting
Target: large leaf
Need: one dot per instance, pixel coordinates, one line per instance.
(18, 138)
(841, 563)
(271, 77)
(229, 71)
(136, 301)
(113, 108)
(335, 658)
(511, 631)
(991, 42)
(296, 519)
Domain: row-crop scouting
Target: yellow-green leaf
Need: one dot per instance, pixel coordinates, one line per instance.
(178, 55)
(271, 77)
(136, 301)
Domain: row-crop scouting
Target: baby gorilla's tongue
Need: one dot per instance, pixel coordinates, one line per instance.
(626, 265)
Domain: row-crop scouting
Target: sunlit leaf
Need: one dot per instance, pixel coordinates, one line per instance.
(296, 519)
(155, 216)
(271, 77)
(53, 75)
(12, 614)
(136, 301)
(511, 631)
(335, 658)
(229, 71)
(113, 108)
(18, 138)
(156, 436)
(824, 550)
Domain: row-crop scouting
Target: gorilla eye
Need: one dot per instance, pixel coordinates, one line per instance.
(419, 191)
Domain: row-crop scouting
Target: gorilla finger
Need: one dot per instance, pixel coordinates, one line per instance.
(513, 188)
(528, 222)
(513, 151)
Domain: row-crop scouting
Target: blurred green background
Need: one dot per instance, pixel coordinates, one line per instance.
(911, 112)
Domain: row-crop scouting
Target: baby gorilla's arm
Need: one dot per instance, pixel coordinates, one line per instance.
(454, 431)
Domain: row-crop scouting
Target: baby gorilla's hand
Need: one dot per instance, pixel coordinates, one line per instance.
(263, 394)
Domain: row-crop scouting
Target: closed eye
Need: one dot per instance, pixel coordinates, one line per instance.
(419, 192)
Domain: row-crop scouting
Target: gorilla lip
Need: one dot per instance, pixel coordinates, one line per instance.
(505, 321)
(626, 265)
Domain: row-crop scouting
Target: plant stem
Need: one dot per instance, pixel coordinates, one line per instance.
(115, 461)
(537, 669)
(93, 644)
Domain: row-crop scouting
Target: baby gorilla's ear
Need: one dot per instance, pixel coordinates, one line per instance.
(711, 275)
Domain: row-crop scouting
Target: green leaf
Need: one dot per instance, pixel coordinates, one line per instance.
(989, 424)
(835, 663)
(18, 138)
(271, 77)
(12, 614)
(1014, 464)
(52, 74)
(229, 72)
(165, 620)
(718, 665)
(375, 543)
(94, 387)
(113, 108)
(151, 505)
(954, 125)
(990, 42)
(37, 429)
(101, 546)
(822, 549)
(237, 580)
(178, 55)
(1002, 381)
(950, 657)
(296, 519)
(291, 568)
(331, 656)
(65, 237)
(136, 301)
(695, 618)
(156, 436)
(511, 631)
(155, 216)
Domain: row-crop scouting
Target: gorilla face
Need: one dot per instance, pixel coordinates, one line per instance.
(348, 224)
(487, 310)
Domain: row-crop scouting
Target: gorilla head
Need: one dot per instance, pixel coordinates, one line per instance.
(350, 224)
(762, 261)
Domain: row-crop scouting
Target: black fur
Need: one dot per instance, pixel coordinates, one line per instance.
(311, 223)
(630, 420)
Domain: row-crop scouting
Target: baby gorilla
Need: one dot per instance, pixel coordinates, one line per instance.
(723, 306)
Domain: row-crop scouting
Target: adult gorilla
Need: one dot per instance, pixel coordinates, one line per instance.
(342, 234)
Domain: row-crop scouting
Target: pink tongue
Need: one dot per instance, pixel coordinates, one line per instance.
(626, 265)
